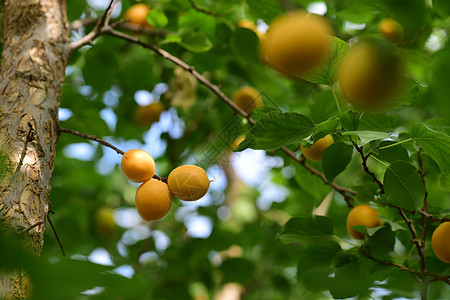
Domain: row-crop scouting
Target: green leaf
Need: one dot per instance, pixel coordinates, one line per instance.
(246, 45)
(301, 229)
(314, 264)
(324, 128)
(326, 73)
(277, 129)
(171, 38)
(434, 143)
(392, 154)
(157, 18)
(350, 120)
(322, 106)
(335, 159)
(445, 181)
(365, 136)
(195, 41)
(381, 242)
(403, 186)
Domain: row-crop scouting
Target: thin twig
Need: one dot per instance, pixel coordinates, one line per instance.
(34, 225)
(389, 263)
(366, 168)
(425, 207)
(415, 240)
(432, 218)
(216, 90)
(54, 231)
(91, 137)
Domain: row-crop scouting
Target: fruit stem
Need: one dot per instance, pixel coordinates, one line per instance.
(337, 101)
(395, 144)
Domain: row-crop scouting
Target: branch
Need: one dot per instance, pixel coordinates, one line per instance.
(91, 137)
(389, 263)
(216, 90)
(100, 28)
(104, 143)
(366, 168)
(54, 231)
(425, 205)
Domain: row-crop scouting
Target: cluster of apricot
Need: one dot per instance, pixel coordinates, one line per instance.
(154, 197)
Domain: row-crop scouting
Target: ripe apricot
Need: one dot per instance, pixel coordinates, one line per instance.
(315, 152)
(440, 242)
(137, 165)
(297, 43)
(149, 114)
(104, 221)
(188, 182)
(247, 99)
(391, 30)
(237, 142)
(137, 13)
(153, 200)
(370, 74)
(362, 215)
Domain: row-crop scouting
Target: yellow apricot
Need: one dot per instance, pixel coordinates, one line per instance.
(153, 200)
(247, 99)
(104, 221)
(440, 242)
(149, 114)
(137, 165)
(391, 30)
(137, 13)
(316, 150)
(188, 182)
(370, 74)
(297, 43)
(362, 215)
(237, 142)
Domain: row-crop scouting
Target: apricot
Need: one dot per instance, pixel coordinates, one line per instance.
(362, 215)
(440, 242)
(137, 14)
(153, 200)
(316, 150)
(137, 165)
(188, 182)
(149, 114)
(104, 221)
(370, 74)
(297, 43)
(237, 142)
(391, 30)
(247, 99)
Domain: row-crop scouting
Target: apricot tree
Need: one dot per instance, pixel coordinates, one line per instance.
(76, 76)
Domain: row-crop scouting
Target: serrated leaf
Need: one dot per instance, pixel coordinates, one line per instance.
(326, 73)
(350, 120)
(403, 186)
(434, 143)
(277, 129)
(365, 136)
(392, 154)
(195, 41)
(324, 128)
(157, 18)
(335, 159)
(301, 229)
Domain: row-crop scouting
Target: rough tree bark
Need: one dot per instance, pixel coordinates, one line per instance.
(34, 57)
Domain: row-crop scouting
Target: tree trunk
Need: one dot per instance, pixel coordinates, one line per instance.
(34, 57)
